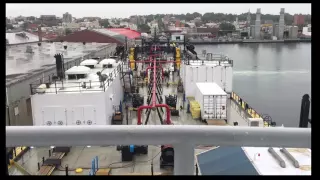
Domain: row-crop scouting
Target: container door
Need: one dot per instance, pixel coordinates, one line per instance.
(221, 106)
(89, 115)
(208, 104)
(77, 113)
(47, 116)
(60, 116)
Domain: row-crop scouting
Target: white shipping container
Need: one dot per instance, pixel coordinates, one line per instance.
(192, 74)
(212, 100)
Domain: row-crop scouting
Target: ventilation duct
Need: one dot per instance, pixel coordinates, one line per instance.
(59, 65)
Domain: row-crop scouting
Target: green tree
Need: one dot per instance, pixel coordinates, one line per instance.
(189, 17)
(227, 27)
(149, 18)
(104, 23)
(25, 26)
(160, 25)
(196, 14)
(144, 28)
(9, 26)
(68, 31)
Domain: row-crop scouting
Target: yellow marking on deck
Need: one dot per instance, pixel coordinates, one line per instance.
(103, 172)
(21, 169)
(18, 151)
(48, 170)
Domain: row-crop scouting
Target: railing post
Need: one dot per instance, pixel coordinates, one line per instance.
(183, 159)
(304, 113)
(55, 86)
(31, 89)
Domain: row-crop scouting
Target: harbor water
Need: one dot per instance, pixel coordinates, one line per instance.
(271, 78)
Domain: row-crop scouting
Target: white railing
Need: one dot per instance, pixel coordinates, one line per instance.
(183, 137)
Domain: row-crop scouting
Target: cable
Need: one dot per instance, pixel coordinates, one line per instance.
(109, 166)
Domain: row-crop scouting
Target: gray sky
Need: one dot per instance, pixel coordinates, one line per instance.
(125, 10)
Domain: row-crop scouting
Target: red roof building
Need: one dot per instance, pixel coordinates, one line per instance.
(129, 33)
(112, 35)
(48, 36)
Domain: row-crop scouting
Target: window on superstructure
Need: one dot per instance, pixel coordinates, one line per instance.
(90, 66)
(76, 76)
(107, 66)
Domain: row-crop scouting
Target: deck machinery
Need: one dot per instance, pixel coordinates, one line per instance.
(154, 56)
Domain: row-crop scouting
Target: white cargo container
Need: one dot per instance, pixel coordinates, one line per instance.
(208, 72)
(212, 100)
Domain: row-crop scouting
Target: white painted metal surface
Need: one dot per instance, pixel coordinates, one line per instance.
(108, 61)
(78, 70)
(211, 71)
(83, 106)
(89, 62)
(266, 164)
(255, 122)
(212, 100)
(182, 137)
(73, 108)
(229, 79)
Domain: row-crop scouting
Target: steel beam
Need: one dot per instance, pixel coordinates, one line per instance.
(156, 135)
(182, 137)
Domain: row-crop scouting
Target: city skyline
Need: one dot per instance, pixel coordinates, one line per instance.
(124, 10)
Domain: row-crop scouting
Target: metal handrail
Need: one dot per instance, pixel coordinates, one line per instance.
(34, 86)
(252, 112)
(183, 138)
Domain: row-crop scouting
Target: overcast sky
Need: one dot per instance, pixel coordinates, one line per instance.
(125, 10)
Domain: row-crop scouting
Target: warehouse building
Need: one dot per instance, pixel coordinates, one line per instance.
(27, 63)
(112, 35)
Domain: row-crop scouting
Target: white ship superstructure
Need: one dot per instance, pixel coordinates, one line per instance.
(82, 97)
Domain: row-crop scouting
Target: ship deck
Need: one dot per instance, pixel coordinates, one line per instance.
(110, 158)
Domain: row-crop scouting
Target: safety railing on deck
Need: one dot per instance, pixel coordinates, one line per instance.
(252, 112)
(182, 138)
(73, 86)
(245, 106)
(219, 59)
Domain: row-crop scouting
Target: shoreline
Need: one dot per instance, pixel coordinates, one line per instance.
(197, 42)
(253, 41)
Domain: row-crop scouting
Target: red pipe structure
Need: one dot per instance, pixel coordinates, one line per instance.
(158, 67)
(154, 105)
(168, 120)
(154, 98)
